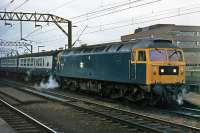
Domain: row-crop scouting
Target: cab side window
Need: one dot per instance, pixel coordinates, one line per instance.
(141, 56)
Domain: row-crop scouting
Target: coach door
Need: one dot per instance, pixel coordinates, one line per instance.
(132, 65)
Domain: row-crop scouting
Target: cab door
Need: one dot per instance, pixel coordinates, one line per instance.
(138, 65)
(132, 65)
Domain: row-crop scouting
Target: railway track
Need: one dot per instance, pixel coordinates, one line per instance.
(21, 122)
(139, 122)
(188, 112)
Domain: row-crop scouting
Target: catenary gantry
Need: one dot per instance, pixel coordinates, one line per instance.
(39, 17)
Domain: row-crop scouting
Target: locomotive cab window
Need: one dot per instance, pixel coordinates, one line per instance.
(141, 56)
(175, 55)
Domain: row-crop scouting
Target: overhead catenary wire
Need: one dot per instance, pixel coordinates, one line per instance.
(92, 12)
(147, 21)
(156, 14)
(115, 7)
(117, 11)
(131, 23)
(126, 25)
(34, 31)
(61, 6)
(22, 4)
(7, 4)
(105, 9)
(140, 19)
(107, 5)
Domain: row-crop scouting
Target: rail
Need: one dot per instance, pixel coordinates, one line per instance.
(18, 117)
(132, 119)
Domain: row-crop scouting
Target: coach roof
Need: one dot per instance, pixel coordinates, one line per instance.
(49, 53)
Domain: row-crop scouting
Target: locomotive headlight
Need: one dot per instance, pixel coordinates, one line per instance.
(162, 70)
(174, 70)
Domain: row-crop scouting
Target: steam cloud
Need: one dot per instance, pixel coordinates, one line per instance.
(180, 98)
(28, 75)
(50, 84)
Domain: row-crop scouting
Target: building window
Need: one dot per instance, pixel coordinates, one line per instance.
(198, 33)
(187, 33)
(186, 43)
(197, 43)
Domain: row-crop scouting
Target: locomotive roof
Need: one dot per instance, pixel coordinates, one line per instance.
(123, 46)
(109, 47)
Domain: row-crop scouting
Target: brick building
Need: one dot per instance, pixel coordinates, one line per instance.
(183, 36)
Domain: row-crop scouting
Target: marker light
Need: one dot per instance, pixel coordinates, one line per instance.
(174, 70)
(162, 70)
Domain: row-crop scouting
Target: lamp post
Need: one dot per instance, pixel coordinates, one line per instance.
(39, 48)
(70, 45)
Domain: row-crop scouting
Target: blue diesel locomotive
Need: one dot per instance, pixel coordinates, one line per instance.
(137, 70)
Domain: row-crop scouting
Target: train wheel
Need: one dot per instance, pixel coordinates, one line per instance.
(130, 95)
(73, 86)
(135, 95)
(106, 92)
(60, 82)
(154, 100)
(116, 93)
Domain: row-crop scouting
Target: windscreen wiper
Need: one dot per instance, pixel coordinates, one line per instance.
(175, 52)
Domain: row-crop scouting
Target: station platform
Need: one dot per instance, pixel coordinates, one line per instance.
(5, 128)
(193, 98)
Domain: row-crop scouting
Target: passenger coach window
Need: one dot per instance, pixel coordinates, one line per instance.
(141, 56)
(31, 62)
(47, 63)
(24, 62)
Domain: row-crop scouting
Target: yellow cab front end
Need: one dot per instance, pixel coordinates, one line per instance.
(166, 73)
(165, 66)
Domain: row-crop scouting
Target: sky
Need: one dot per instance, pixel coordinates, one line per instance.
(101, 21)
